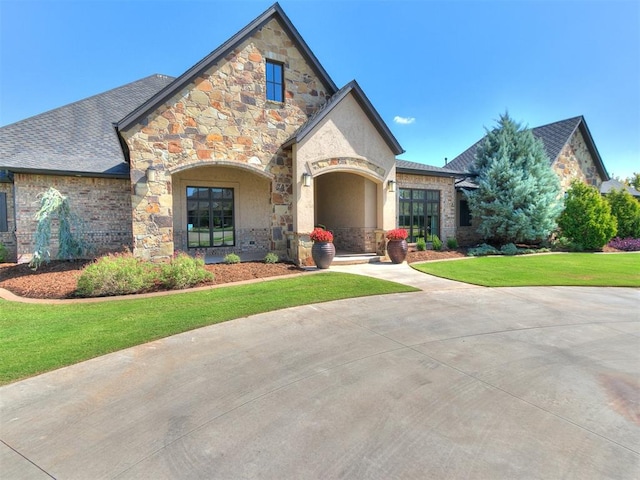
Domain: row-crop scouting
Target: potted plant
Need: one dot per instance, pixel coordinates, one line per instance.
(397, 245)
(323, 249)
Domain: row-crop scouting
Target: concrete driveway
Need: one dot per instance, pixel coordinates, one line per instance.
(451, 382)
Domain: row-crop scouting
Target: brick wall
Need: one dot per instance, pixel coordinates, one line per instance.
(103, 205)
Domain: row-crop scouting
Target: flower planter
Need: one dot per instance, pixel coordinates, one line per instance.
(323, 253)
(397, 250)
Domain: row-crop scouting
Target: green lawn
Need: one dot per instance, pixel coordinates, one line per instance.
(39, 338)
(571, 269)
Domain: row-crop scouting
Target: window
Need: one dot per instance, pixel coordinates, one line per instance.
(465, 214)
(4, 221)
(419, 213)
(210, 221)
(275, 81)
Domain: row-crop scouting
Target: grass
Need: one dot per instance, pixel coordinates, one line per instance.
(37, 338)
(575, 269)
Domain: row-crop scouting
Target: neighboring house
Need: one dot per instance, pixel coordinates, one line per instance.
(573, 155)
(245, 152)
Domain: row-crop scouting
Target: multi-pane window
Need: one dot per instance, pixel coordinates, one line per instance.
(210, 221)
(419, 213)
(275, 81)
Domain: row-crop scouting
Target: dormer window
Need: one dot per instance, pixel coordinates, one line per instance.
(275, 81)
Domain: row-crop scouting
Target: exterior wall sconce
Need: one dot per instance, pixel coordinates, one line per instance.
(152, 174)
(392, 185)
(306, 179)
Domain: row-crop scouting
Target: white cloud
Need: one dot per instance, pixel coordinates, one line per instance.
(404, 120)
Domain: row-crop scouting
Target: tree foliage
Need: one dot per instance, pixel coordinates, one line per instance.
(587, 220)
(517, 199)
(626, 209)
(55, 206)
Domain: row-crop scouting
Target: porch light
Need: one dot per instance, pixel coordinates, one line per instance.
(306, 179)
(151, 174)
(392, 185)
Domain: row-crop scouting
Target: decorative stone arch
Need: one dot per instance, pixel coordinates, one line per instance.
(359, 166)
(222, 163)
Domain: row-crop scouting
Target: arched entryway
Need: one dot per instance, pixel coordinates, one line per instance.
(347, 204)
(222, 209)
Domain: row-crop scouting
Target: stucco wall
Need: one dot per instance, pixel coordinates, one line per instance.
(103, 204)
(576, 163)
(447, 198)
(346, 140)
(223, 116)
(8, 238)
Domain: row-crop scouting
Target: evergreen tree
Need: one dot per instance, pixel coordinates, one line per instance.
(586, 220)
(626, 209)
(517, 199)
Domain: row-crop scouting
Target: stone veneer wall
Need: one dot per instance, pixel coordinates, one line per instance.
(447, 198)
(104, 204)
(575, 163)
(223, 117)
(8, 238)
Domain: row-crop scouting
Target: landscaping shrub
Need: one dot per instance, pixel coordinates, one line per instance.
(3, 252)
(626, 209)
(116, 274)
(483, 250)
(184, 271)
(231, 258)
(436, 243)
(271, 258)
(586, 220)
(626, 244)
(509, 249)
(421, 244)
(452, 243)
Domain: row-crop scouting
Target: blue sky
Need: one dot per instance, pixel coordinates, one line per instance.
(438, 72)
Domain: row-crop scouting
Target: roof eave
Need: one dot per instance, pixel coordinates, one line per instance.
(66, 173)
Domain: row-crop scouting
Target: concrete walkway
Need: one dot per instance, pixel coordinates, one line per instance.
(450, 382)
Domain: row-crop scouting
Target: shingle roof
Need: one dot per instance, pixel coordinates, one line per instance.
(353, 88)
(79, 137)
(273, 12)
(407, 166)
(554, 136)
(614, 184)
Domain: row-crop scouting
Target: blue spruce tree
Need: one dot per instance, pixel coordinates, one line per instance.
(517, 199)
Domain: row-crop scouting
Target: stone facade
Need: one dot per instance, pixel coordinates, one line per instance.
(8, 238)
(223, 118)
(447, 198)
(576, 163)
(102, 204)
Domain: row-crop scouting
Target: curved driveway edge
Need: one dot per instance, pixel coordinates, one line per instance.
(451, 382)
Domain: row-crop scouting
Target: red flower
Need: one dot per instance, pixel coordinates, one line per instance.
(397, 234)
(321, 235)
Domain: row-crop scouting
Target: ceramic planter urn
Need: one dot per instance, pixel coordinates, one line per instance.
(323, 253)
(397, 250)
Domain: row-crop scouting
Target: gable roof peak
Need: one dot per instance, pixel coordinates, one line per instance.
(275, 11)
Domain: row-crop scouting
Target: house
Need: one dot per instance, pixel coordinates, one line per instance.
(244, 153)
(571, 151)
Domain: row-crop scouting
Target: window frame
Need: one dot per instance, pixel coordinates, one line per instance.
(276, 84)
(212, 214)
(465, 218)
(420, 207)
